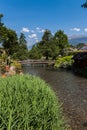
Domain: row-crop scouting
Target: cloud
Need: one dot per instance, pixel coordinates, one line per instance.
(25, 30)
(85, 29)
(76, 36)
(41, 31)
(32, 35)
(37, 28)
(75, 29)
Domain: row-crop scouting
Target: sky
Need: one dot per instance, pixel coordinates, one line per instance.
(32, 17)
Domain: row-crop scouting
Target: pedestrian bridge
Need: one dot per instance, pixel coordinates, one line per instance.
(37, 62)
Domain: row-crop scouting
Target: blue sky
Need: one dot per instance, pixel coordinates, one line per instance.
(32, 17)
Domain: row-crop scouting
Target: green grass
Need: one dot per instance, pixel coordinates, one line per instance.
(28, 103)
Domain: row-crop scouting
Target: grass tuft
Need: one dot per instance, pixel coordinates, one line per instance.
(28, 103)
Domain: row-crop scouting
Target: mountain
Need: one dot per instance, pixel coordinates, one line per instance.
(77, 40)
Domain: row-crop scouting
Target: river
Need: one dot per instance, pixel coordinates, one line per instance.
(71, 91)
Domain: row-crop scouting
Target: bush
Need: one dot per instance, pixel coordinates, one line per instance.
(17, 65)
(27, 103)
(64, 62)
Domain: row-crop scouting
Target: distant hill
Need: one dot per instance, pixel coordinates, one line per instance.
(75, 41)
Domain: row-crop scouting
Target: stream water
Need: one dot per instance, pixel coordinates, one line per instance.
(70, 89)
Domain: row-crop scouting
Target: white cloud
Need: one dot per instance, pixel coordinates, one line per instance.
(37, 28)
(85, 29)
(75, 29)
(41, 31)
(76, 36)
(32, 35)
(25, 30)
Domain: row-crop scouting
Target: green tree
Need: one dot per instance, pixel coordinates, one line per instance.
(84, 5)
(22, 50)
(46, 43)
(49, 46)
(61, 40)
(1, 16)
(8, 38)
(54, 53)
(3, 30)
(22, 41)
(47, 36)
(35, 52)
(10, 41)
(16, 48)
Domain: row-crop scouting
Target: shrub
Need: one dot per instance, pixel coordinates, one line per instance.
(64, 62)
(17, 65)
(28, 103)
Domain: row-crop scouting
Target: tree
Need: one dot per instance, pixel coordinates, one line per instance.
(61, 40)
(2, 29)
(50, 47)
(1, 16)
(46, 43)
(15, 47)
(22, 41)
(35, 52)
(47, 36)
(84, 5)
(8, 38)
(10, 41)
(22, 51)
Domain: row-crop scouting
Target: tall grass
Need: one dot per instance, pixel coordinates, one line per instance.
(28, 103)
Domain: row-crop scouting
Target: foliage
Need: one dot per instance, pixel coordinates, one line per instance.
(3, 58)
(22, 51)
(22, 41)
(47, 36)
(28, 103)
(16, 48)
(16, 64)
(1, 16)
(50, 46)
(35, 53)
(64, 62)
(11, 42)
(61, 40)
(80, 45)
(3, 34)
(84, 5)
(20, 54)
